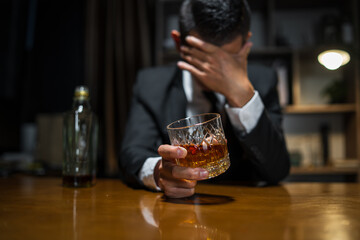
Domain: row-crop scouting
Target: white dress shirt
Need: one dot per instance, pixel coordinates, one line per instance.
(243, 119)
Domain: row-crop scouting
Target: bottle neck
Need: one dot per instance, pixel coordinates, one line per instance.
(84, 102)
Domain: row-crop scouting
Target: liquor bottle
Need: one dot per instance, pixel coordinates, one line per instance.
(80, 138)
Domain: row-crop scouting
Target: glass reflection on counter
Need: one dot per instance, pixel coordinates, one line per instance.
(177, 220)
(75, 214)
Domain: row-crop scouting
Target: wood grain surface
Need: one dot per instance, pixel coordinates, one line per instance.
(40, 208)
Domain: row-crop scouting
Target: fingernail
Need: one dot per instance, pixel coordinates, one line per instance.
(179, 152)
(203, 173)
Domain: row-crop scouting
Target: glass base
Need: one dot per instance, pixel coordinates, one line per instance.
(78, 181)
(218, 167)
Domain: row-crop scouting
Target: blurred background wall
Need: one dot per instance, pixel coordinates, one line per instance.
(49, 47)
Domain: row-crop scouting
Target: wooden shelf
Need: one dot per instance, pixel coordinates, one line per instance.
(325, 108)
(322, 170)
(307, 4)
(271, 51)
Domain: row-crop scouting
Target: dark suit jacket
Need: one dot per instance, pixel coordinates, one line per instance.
(159, 99)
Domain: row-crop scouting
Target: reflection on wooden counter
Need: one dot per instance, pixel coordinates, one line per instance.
(40, 208)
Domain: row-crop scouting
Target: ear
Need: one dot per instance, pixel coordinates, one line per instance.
(176, 37)
(249, 34)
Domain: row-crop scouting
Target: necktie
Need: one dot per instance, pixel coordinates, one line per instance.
(215, 108)
(210, 96)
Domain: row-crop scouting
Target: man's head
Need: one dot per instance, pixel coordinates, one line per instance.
(215, 21)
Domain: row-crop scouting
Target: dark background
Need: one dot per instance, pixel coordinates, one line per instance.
(41, 59)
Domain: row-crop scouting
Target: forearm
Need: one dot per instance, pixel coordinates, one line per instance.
(261, 138)
(266, 148)
(239, 92)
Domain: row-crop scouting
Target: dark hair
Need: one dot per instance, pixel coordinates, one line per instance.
(216, 21)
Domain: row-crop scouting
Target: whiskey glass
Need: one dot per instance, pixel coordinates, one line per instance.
(204, 139)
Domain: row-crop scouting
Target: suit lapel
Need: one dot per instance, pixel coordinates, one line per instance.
(176, 99)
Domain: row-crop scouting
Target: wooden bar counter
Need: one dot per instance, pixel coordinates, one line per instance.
(40, 208)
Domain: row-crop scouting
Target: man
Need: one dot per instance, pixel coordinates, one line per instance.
(213, 42)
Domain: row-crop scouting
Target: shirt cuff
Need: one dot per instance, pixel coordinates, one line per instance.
(247, 117)
(146, 173)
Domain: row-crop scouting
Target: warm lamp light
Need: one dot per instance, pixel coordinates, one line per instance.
(333, 59)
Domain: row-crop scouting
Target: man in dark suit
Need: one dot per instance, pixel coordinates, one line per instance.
(213, 42)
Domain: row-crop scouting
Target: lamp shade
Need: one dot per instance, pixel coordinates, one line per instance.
(334, 58)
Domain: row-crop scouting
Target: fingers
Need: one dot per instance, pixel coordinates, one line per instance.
(196, 57)
(173, 183)
(177, 181)
(175, 191)
(175, 187)
(173, 171)
(189, 173)
(186, 51)
(192, 69)
(198, 64)
(198, 43)
(170, 153)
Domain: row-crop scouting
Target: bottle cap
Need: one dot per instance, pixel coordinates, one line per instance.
(81, 92)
